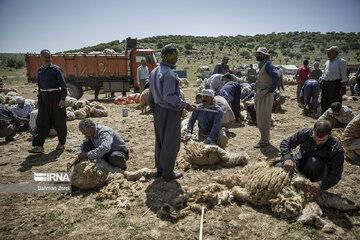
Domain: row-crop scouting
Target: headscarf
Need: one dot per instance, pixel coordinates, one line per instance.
(169, 52)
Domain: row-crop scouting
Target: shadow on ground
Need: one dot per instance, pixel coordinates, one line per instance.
(39, 160)
(160, 192)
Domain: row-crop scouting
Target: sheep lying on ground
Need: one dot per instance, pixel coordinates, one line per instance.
(197, 153)
(288, 195)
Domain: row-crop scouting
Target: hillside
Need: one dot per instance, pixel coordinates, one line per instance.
(285, 48)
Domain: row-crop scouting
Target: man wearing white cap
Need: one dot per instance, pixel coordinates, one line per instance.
(209, 123)
(266, 84)
(22, 109)
(334, 79)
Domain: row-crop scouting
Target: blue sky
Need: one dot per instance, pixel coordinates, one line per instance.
(32, 25)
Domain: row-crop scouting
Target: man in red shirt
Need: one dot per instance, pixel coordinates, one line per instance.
(301, 76)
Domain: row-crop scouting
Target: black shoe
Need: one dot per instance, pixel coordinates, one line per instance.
(261, 145)
(175, 176)
(158, 174)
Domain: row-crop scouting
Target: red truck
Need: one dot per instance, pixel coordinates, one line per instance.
(112, 72)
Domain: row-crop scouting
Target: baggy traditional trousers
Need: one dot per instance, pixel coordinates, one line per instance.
(167, 139)
(50, 114)
(263, 106)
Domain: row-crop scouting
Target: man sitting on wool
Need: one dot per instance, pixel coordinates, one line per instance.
(338, 115)
(209, 123)
(320, 157)
(22, 109)
(102, 142)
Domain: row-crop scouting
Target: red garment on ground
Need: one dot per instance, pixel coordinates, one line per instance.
(303, 73)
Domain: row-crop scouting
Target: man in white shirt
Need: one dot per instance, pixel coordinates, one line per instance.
(334, 79)
(142, 74)
(22, 110)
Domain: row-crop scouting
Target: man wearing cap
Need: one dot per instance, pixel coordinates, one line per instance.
(222, 67)
(334, 79)
(166, 104)
(51, 101)
(209, 123)
(320, 157)
(316, 73)
(217, 81)
(22, 109)
(302, 74)
(266, 84)
(231, 91)
(9, 122)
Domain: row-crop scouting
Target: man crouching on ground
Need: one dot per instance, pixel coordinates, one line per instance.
(102, 142)
(320, 157)
(209, 122)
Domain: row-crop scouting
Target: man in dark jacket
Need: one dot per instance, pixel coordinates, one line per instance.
(9, 122)
(320, 157)
(51, 100)
(231, 91)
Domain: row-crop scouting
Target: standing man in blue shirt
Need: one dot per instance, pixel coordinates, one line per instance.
(268, 79)
(166, 104)
(51, 101)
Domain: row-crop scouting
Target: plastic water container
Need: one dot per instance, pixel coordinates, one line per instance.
(124, 112)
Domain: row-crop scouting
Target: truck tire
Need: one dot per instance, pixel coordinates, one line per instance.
(75, 91)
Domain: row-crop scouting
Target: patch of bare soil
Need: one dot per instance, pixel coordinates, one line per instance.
(81, 215)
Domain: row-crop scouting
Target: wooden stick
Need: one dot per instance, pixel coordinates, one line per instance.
(201, 223)
(146, 212)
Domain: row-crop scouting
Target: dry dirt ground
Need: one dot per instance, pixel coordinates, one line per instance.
(80, 216)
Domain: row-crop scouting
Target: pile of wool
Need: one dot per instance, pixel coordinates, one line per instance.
(208, 196)
(143, 173)
(10, 98)
(7, 90)
(70, 116)
(83, 108)
(70, 101)
(198, 153)
(98, 110)
(287, 194)
(112, 190)
(87, 175)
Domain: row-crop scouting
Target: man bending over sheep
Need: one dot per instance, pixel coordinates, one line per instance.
(209, 122)
(320, 157)
(102, 142)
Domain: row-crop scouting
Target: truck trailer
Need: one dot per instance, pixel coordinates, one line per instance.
(111, 72)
